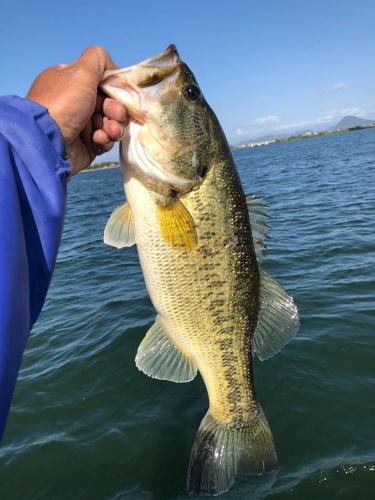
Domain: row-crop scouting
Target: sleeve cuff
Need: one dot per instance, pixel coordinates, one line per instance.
(47, 125)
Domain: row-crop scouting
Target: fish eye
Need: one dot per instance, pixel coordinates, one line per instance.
(192, 92)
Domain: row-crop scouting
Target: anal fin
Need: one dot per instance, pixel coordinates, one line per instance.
(159, 358)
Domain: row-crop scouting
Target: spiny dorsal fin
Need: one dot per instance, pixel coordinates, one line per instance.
(159, 358)
(120, 229)
(177, 226)
(259, 226)
(278, 319)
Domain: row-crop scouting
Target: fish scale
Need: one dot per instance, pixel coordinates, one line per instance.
(178, 283)
(191, 221)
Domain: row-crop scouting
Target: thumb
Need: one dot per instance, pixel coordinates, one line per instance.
(96, 60)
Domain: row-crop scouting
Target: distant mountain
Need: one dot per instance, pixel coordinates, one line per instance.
(351, 121)
(271, 137)
(346, 122)
(268, 137)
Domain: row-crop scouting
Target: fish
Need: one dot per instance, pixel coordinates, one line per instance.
(200, 242)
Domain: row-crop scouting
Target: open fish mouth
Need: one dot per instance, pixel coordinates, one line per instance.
(144, 89)
(139, 85)
(167, 58)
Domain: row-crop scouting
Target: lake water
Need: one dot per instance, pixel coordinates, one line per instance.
(86, 424)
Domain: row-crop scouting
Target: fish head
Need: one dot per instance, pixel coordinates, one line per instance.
(169, 135)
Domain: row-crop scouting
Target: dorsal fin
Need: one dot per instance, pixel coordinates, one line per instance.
(259, 226)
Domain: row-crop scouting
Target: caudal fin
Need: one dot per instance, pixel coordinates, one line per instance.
(222, 452)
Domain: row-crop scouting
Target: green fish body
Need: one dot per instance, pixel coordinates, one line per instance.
(199, 241)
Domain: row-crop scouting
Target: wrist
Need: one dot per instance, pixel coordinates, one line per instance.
(51, 128)
(31, 127)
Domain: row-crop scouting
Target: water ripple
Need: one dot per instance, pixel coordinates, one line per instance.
(86, 424)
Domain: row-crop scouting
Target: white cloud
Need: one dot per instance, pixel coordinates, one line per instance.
(334, 114)
(305, 123)
(265, 120)
(241, 131)
(250, 127)
(329, 116)
(337, 86)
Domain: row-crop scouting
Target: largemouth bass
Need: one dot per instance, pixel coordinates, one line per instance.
(199, 242)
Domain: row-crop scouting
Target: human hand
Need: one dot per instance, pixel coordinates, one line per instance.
(89, 121)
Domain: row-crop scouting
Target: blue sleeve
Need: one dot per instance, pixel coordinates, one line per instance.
(33, 176)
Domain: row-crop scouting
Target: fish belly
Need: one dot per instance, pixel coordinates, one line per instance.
(207, 299)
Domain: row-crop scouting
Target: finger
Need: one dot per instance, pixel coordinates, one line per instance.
(113, 129)
(97, 60)
(59, 67)
(107, 147)
(114, 110)
(100, 138)
(101, 142)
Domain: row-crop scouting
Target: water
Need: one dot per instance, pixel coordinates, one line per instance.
(85, 424)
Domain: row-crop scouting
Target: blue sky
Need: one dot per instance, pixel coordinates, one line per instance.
(264, 66)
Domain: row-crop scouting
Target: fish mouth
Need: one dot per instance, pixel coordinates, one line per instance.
(143, 89)
(137, 86)
(167, 58)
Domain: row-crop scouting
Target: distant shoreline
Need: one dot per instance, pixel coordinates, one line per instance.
(308, 135)
(101, 166)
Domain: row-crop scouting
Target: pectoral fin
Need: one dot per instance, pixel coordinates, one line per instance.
(159, 358)
(120, 230)
(278, 319)
(177, 226)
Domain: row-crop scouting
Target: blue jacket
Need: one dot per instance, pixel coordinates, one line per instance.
(33, 177)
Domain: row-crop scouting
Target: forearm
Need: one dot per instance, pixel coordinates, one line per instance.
(33, 176)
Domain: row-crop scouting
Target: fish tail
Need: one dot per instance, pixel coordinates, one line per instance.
(221, 452)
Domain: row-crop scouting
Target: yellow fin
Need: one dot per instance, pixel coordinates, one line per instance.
(177, 226)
